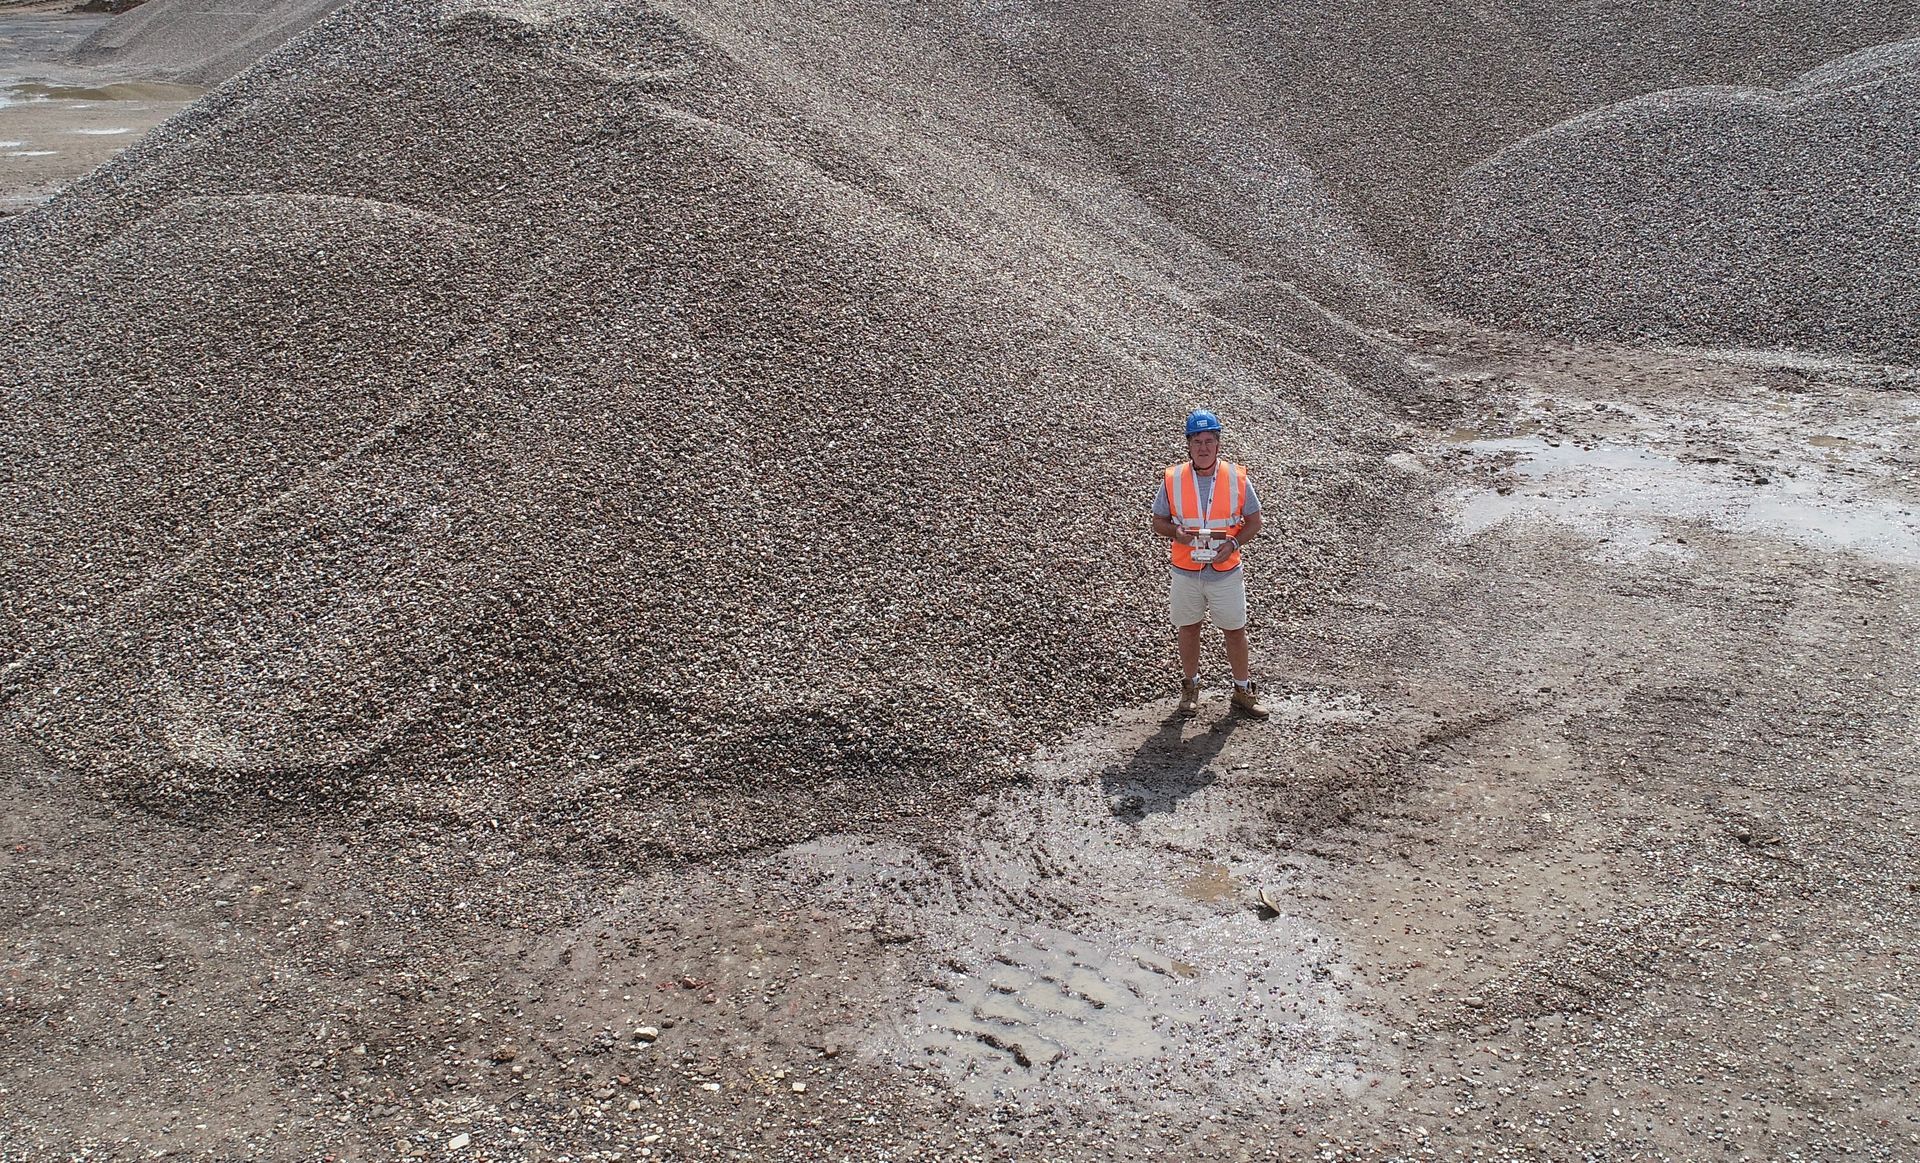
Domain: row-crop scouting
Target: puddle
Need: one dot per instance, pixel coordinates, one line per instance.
(102, 132)
(33, 153)
(112, 91)
(1213, 883)
(1067, 953)
(1475, 435)
(1625, 495)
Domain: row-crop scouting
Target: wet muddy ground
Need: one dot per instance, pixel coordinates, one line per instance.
(59, 122)
(1590, 831)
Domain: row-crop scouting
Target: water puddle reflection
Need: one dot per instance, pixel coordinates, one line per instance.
(1212, 883)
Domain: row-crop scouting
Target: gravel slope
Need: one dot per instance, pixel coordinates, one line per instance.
(1712, 216)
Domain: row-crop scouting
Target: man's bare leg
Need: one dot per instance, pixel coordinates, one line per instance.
(1190, 650)
(1236, 653)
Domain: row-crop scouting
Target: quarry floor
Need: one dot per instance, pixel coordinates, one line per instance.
(1589, 832)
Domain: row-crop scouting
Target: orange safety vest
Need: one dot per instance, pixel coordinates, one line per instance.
(1225, 510)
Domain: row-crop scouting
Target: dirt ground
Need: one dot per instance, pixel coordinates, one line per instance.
(1591, 830)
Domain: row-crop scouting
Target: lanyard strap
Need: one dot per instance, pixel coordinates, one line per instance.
(1221, 479)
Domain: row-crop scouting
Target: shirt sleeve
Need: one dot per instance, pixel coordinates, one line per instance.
(1160, 506)
(1253, 500)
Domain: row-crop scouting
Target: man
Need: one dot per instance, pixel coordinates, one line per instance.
(1208, 511)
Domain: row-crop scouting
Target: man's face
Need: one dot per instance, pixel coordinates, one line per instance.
(1203, 448)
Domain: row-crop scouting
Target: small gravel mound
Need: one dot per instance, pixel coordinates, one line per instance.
(1713, 216)
(195, 42)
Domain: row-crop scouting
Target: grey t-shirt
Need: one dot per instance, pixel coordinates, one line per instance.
(1203, 485)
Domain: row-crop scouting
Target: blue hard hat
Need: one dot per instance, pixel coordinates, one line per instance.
(1202, 421)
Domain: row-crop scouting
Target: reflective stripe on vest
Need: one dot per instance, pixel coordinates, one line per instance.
(1224, 515)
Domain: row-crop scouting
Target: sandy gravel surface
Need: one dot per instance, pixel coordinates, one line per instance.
(1729, 216)
(1392, 103)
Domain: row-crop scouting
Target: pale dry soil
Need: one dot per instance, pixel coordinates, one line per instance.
(1591, 832)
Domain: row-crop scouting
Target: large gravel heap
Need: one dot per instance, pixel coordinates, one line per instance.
(1716, 216)
(1390, 103)
(199, 42)
(687, 425)
(656, 426)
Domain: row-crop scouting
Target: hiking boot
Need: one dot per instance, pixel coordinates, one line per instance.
(1189, 696)
(1246, 699)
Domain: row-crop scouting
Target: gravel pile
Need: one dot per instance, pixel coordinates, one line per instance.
(199, 42)
(1714, 216)
(639, 432)
(1390, 103)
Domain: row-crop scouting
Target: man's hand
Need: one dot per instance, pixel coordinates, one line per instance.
(1165, 527)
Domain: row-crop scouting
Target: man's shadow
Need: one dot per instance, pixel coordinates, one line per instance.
(1166, 768)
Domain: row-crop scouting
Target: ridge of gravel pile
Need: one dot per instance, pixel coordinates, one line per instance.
(1712, 216)
(199, 42)
(639, 428)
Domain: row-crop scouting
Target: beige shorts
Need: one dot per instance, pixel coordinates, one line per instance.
(1193, 596)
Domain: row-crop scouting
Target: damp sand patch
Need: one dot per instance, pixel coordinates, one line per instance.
(1807, 449)
(1089, 947)
(1629, 499)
